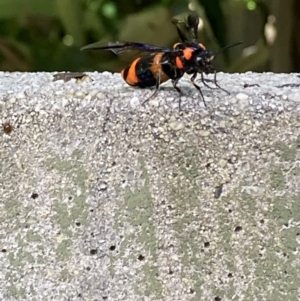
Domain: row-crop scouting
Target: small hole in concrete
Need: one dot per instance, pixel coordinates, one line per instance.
(206, 244)
(34, 195)
(218, 191)
(238, 229)
(93, 251)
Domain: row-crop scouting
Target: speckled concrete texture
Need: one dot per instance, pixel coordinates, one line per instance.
(105, 199)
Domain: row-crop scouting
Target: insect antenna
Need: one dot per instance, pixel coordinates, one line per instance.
(227, 47)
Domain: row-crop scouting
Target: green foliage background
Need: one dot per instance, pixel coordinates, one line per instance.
(46, 35)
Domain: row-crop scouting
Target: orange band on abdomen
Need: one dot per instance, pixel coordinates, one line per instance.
(130, 76)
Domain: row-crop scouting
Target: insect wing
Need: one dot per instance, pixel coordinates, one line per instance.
(187, 26)
(119, 47)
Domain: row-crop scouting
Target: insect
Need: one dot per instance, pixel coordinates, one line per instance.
(160, 64)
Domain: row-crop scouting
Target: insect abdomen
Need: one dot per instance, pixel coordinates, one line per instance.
(139, 73)
(146, 71)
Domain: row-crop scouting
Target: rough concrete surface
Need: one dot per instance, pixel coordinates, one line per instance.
(103, 198)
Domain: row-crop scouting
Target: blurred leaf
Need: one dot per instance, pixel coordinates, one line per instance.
(157, 25)
(216, 19)
(71, 15)
(93, 24)
(21, 8)
(128, 7)
(257, 55)
(14, 59)
(152, 26)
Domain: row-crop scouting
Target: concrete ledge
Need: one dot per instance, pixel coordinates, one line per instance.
(105, 199)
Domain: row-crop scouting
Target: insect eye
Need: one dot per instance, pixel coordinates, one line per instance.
(209, 56)
(199, 59)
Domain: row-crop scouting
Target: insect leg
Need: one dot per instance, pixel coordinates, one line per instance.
(157, 86)
(215, 82)
(174, 82)
(204, 83)
(197, 87)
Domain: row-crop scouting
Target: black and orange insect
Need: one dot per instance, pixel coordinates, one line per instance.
(161, 64)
